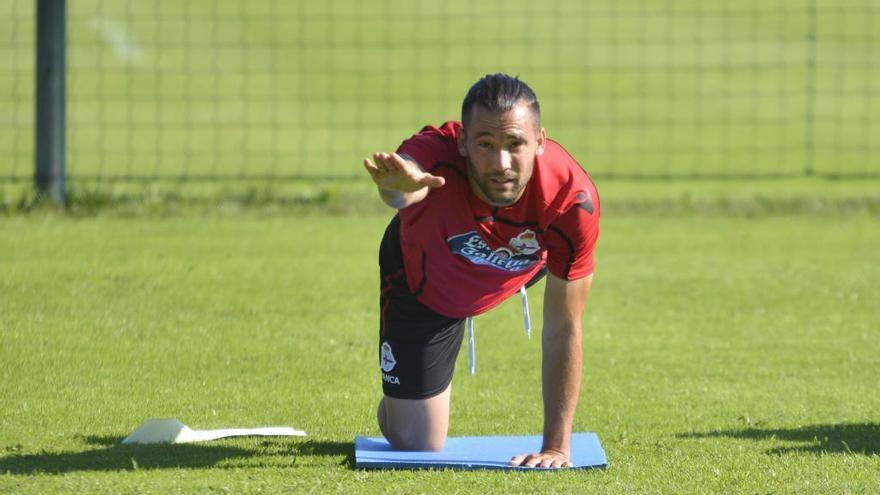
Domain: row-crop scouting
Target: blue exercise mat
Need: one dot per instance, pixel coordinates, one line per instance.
(474, 453)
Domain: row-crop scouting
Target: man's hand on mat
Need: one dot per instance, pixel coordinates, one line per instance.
(550, 458)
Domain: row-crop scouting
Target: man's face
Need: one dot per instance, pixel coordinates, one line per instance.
(500, 150)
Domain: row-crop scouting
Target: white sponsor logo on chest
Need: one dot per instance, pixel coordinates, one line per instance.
(516, 257)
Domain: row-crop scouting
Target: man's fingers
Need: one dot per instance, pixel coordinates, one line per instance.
(423, 178)
(527, 460)
(394, 172)
(432, 181)
(406, 166)
(398, 162)
(384, 162)
(542, 460)
(381, 164)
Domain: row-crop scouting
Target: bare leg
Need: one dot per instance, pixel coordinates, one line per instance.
(415, 424)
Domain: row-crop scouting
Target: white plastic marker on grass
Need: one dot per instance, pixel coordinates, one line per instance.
(171, 430)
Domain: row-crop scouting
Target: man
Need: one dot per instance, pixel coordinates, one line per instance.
(484, 206)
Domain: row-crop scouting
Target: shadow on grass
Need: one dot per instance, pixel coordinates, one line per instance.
(113, 456)
(846, 438)
(314, 448)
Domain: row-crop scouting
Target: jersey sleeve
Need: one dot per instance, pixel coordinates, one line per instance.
(571, 240)
(432, 146)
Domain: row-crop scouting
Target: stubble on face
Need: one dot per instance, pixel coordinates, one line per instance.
(497, 189)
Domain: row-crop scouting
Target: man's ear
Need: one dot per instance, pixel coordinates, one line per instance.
(542, 140)
(460, 142)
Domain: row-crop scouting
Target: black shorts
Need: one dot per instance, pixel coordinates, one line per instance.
(417, 347)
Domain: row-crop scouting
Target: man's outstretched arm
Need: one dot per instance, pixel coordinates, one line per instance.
(401, 181)
(561, 369)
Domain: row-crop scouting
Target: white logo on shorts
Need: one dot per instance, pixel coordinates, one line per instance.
(387, 361)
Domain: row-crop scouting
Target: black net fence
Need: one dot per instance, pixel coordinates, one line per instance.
(286, 89)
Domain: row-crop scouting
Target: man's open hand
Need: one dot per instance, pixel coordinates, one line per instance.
(391, 172)
(550, 458)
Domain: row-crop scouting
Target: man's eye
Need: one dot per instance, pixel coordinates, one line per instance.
(485, 146)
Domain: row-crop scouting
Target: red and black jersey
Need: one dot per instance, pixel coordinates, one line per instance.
(463, 256)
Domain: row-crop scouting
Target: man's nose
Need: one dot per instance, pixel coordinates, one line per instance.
(502, 160)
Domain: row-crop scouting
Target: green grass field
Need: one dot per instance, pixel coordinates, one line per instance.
(722, 355)
(731, 338)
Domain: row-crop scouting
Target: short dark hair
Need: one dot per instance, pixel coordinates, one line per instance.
(500, 93)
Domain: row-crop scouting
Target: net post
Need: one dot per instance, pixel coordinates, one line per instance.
(50, 127)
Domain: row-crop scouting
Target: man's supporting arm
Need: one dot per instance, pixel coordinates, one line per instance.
(400, 180)
(561, 369)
